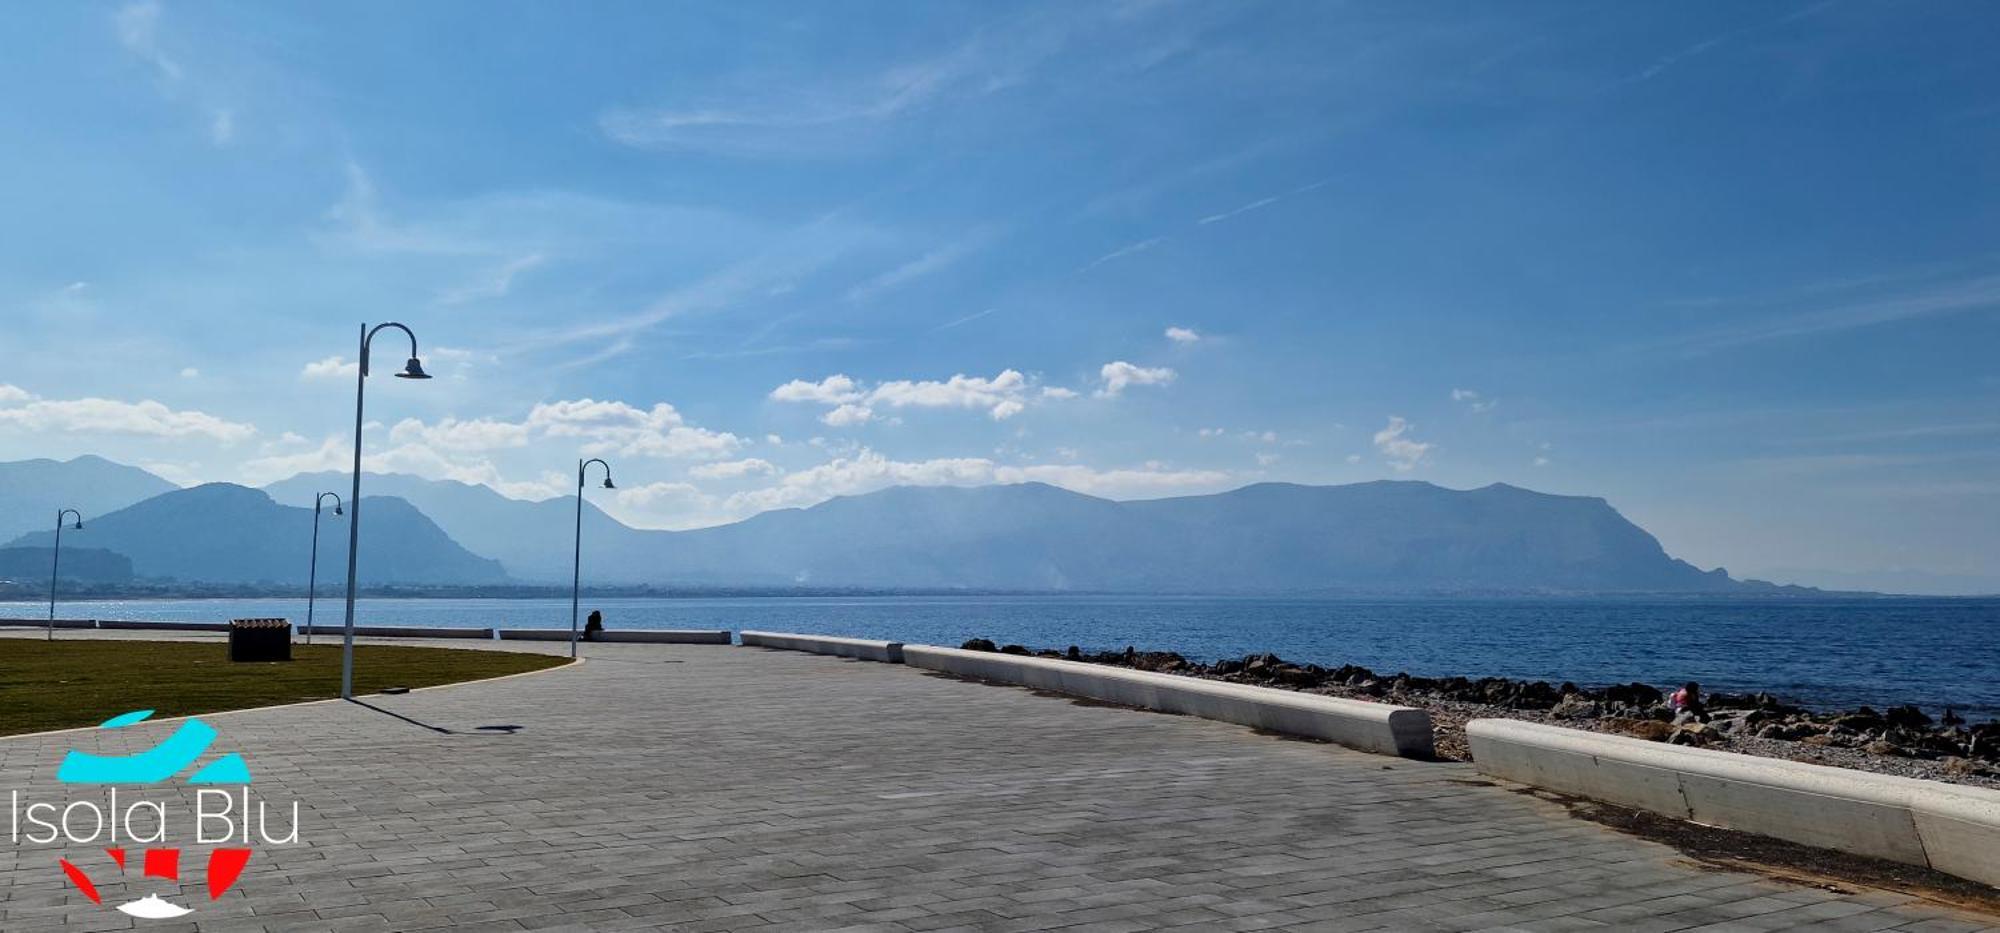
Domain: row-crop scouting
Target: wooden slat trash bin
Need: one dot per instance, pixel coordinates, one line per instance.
(260, 640)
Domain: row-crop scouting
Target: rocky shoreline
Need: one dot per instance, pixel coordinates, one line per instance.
(1902, 741)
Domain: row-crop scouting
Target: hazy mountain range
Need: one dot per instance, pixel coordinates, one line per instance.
(1379, 537)
(31, 491)
(224, 533)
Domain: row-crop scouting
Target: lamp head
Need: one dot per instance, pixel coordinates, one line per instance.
(607, 482)
(414, 369)
(336, 508)
(78, 526)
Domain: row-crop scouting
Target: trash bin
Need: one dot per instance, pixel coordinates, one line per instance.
(260, 640)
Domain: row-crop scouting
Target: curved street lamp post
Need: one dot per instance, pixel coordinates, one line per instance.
(576, 563)
(312, 575)
(414, 369)
(55, 564)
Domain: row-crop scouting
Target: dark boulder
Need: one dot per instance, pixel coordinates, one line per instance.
(1907, 717)
(1633, 694)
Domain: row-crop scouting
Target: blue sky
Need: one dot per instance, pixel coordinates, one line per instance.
(1734, 268)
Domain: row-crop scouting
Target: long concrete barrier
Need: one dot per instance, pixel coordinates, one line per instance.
(718, 636)
(887, 652)
(139, 626)
(405, 631)
(1370, 727)
(648, 636)
(1949, 827)
(44, 623)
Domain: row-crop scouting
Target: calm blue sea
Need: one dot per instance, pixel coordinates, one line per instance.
(1824, 653)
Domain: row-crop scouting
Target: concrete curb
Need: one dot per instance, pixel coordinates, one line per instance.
(668, 636)
(166, 626)
(1951, 828)
(655, 636)
(887, 652)
(44, 623)
(405, 631)
(1369, 727)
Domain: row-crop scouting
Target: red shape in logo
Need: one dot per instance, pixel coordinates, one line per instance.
(81, 881)
(223, 867)
(163, 863)
(117, 855)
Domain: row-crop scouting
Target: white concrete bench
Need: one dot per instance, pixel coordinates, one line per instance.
(1370, 727)
(887, 652)
(1949, 827)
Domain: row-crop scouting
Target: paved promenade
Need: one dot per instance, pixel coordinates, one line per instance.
(708, 788)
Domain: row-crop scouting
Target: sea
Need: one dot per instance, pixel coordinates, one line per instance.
(1825, 653)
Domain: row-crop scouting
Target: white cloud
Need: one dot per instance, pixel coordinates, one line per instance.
(848, 415)
(1541, 461)
(1183, 335)
(1120, 374)
(615, 426)
(333, 453)
(652, 496)
(1001, 397)
(22, 409)
(734, 469)
(833, 390)
(1473, 400)
(222, 126)
(417, 458)
(179, 474)
(190, 373)
(1353, 458)
(1403, 452)
(1265, 460)
(333, 367)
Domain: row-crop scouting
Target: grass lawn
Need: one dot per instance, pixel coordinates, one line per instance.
(64, 684)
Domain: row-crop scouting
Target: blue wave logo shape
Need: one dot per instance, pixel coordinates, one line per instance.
(174, 754)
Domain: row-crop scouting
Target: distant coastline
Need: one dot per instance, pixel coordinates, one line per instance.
(29, 590)
(23, 590)
(1828, 651)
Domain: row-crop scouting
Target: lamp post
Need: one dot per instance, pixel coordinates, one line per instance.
(576, 564)
(55, 564)
(312, 575)
(414, 369)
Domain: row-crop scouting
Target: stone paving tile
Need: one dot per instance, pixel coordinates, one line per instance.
(703, 788)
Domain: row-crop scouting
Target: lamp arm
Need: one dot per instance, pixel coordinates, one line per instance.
(369, 340)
